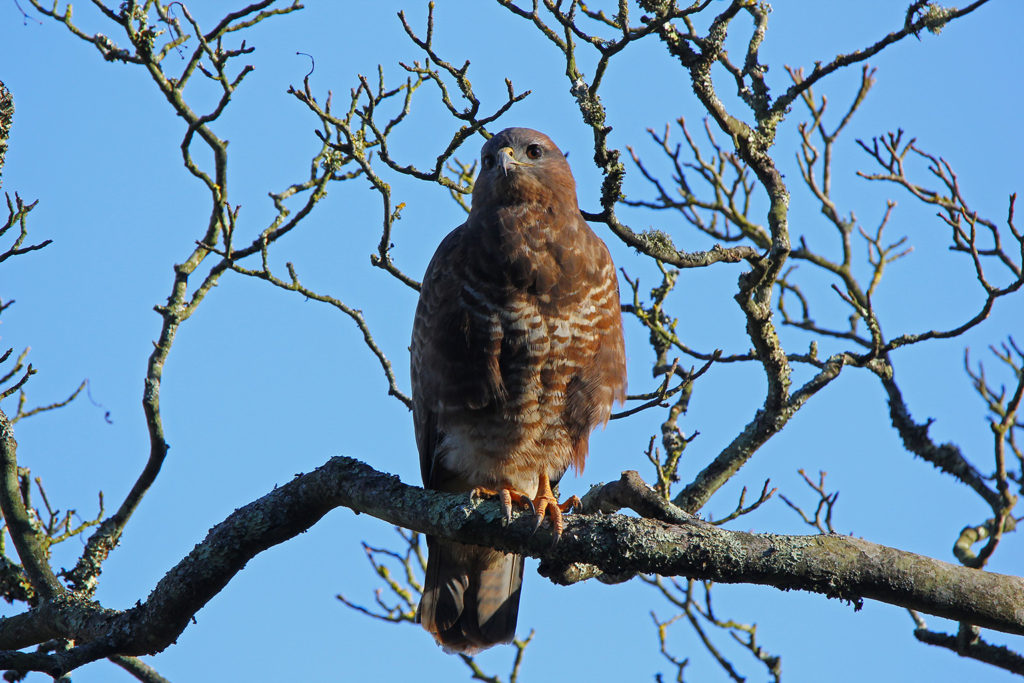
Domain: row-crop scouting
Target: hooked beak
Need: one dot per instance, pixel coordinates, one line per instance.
(507, 160)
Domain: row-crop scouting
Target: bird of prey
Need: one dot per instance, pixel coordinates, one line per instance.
(517, 354)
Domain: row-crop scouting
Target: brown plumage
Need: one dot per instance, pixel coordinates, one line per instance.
(517, 355)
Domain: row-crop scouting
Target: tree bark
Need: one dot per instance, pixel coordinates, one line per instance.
(835, 566)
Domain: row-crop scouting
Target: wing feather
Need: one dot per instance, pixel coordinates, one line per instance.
(456, 344)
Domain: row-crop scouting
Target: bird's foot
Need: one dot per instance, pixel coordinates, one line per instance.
(547, 505)
(506, 496)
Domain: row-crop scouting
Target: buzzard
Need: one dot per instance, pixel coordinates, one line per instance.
(517, 354)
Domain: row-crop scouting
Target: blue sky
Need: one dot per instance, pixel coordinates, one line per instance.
(262, 384)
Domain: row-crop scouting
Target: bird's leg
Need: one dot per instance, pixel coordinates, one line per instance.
(547, 504)
(506, 495)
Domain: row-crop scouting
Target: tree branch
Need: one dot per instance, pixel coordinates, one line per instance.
(933, 20)
(139, 669)
(835, 566)
(27, 539)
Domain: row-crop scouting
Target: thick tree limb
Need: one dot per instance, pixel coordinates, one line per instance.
(632, 492)
(836, 566)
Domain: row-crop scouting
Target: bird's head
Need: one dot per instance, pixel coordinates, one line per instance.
(521, 164)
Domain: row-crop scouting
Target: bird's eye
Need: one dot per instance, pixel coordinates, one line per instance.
(488, 161)
(535, 151)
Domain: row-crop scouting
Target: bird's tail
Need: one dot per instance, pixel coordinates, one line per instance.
(470, 596)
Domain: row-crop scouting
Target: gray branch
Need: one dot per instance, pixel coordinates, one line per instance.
(835, 566)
